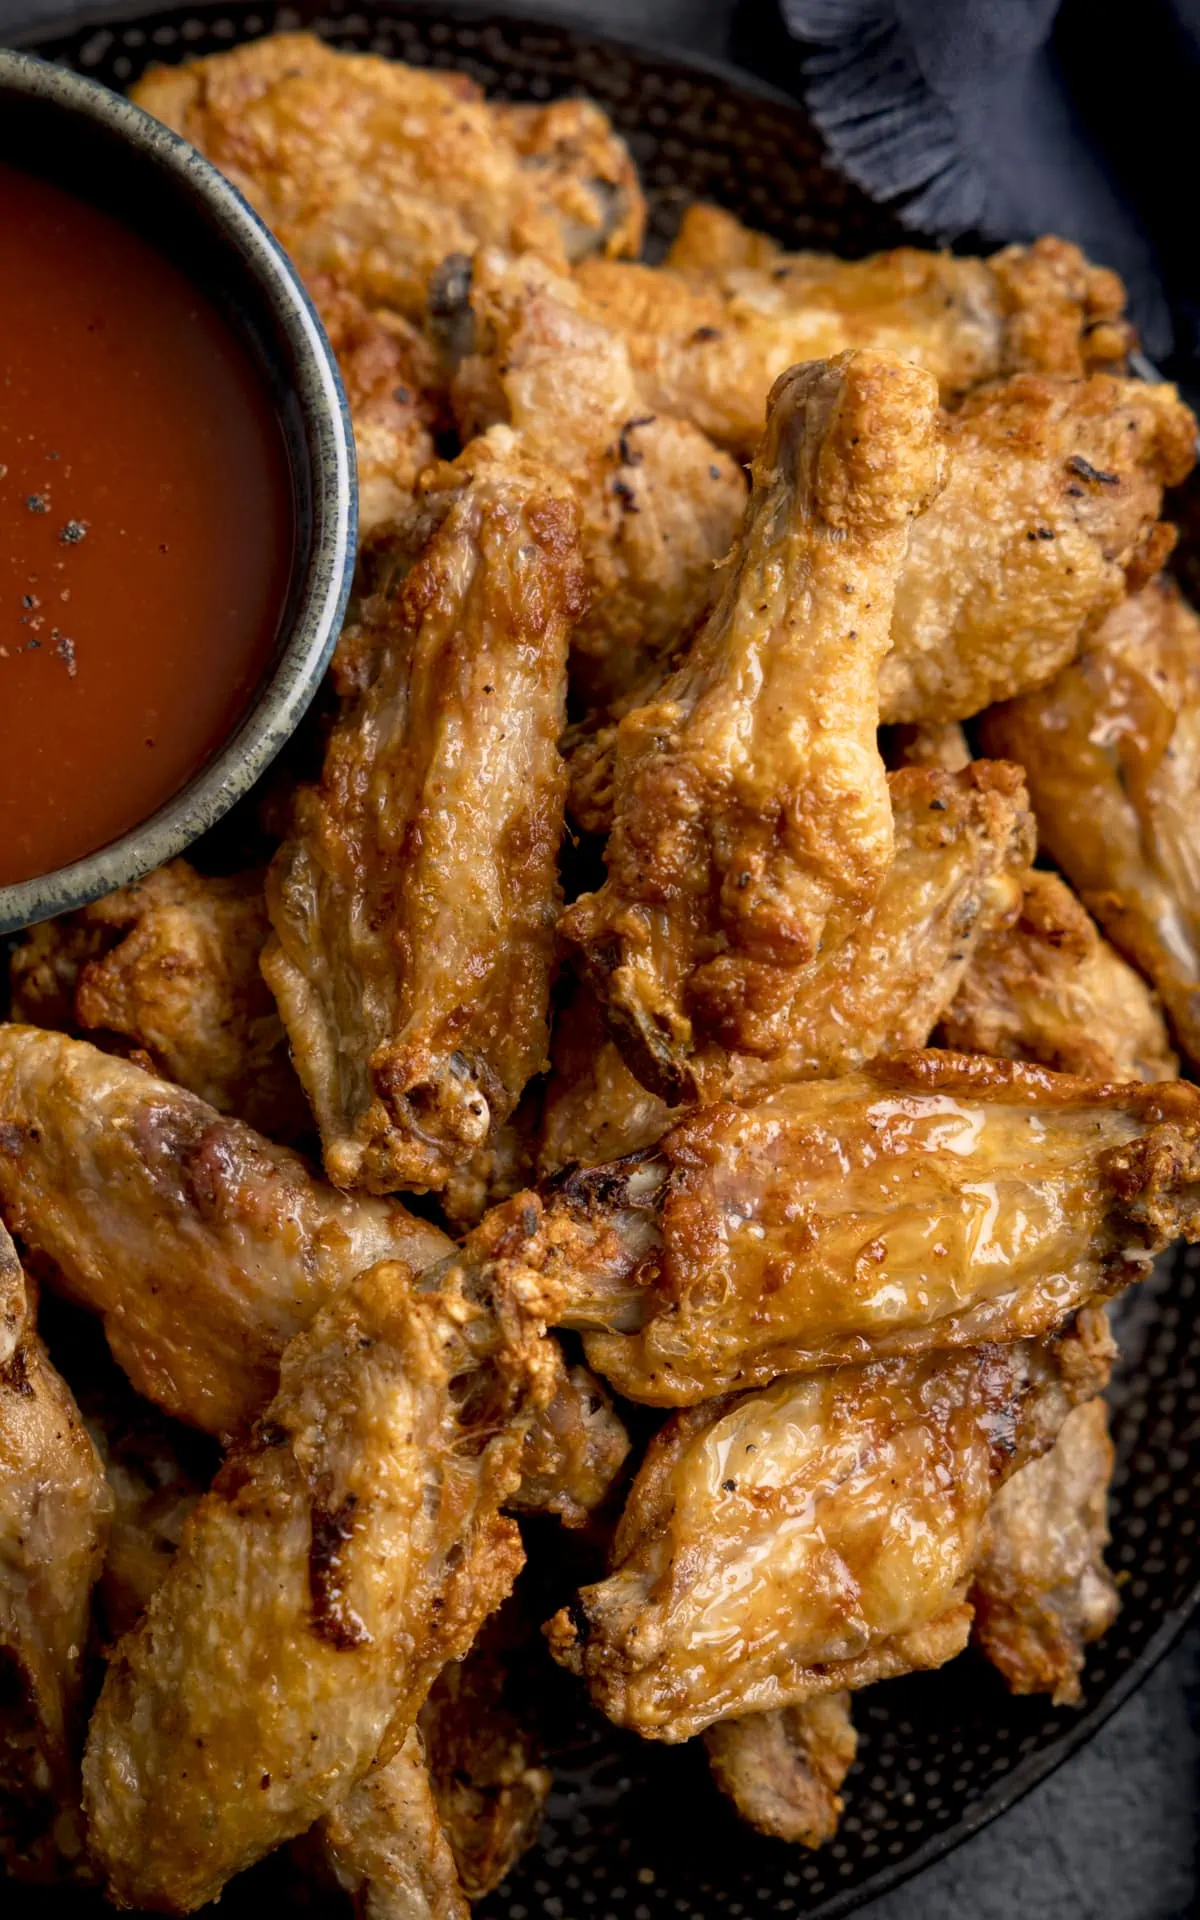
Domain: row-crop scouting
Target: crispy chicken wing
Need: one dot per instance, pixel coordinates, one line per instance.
(168, 969)
(373, 171)
(1112, 750)
(816, 1536)
(594, 1109)
(203, 1247)
(660, 504)
(384, 1846)
(710, 333)
(574, 1448)
(782, 1770)
(1042, 1592)
(349, 1548)
(54, 1517)
(1051, 990)
(1050, 508)
(414, 905)
(751, 803)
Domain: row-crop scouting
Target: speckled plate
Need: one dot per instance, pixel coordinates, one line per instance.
(635, 1832)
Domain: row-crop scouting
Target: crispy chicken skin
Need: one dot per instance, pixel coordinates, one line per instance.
(782, 1770)
(384, 1847)
(372, 171)
(816, 1536)
(708, 336)
(1051, 990)
(203, 1247)
(931, 1201)
(751, 805)
(54, 1518)
(1112, 751)
(574, 1448)
(1042, 1592)
(1049, 511)
(660, 504)
(594, 1109)
(414, 905)
(349, 1548)
(168, 970)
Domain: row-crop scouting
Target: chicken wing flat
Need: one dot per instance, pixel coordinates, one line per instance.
(751, 803)
(1112, 752)
(707, 345)
(1051, 990)
(168, 969)
(782, 1770)
(660, 504)
(575, 1447)
(931, 1201)
(594, 1109)
(347, 1550)
(1049, 511)
(203, 1247)
(373, 171)
(816, 1536)
(54, 1517)
(384, 1846)
(414, 906)
(1042, 1592)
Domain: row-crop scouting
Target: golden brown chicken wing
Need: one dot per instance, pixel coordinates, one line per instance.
(54, 1518)
(349, 1548)
(384, 1846)
(816, 1536)
(414, 905)
(751, 805)
(711, 332)
(1042, 1592)
(594, 1109)
(782, 1770)
(574, 1449)
(373, 171)
(660, 504)
(1112, 750)
(1050, 989)
(168, 969)
(203, 1247)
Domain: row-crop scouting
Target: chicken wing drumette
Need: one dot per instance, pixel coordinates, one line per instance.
(782, 1770)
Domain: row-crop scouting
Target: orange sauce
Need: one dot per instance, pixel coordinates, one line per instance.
(146, 528)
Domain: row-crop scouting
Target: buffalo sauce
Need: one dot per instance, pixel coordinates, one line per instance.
(146, 528)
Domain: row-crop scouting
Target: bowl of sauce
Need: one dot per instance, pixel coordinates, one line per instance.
(177, 493)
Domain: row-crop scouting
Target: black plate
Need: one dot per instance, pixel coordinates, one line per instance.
(635, 1831)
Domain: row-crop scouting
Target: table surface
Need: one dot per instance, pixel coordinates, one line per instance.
(1114, 1832)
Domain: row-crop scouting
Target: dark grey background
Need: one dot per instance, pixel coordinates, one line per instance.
(1113, 1833)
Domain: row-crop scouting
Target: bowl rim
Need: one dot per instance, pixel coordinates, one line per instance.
(308, 642)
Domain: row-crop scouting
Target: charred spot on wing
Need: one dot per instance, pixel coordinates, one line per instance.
(14, 1375)
(607, 1189)
(333, 1618)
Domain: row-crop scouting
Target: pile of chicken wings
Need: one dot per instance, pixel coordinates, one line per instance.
(683, 1050)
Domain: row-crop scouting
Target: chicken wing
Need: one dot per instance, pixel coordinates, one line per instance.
(574, 1449)
(594, 1109)
(751, 803)
(203, 1247)
(414, 905)
(1049, 511)
(54, 1517)
(349, 1548)
(1051, 990)
(384, 1845)
(1112, 751)
(168, 970)
(816, 1536)
(373, 171)
(1042, 1592)
(782, 1770)
(660, 504)
(711, 332)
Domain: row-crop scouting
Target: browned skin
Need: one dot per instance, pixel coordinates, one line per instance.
(383, 1846)
(782, 1770)
(203, 1247)
(54, 1517)
(574, 1449)
(1112, 751)
(1050, 989)
(660, 503)
(751, 805)
(349, 1548)
(1050, 511)
(766, 1552)
(594, 1109)
(373, 171)
(414, 905)
(1042, 1592)
(710, 332)
(168, 970)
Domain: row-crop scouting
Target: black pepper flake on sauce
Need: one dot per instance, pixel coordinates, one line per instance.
(37, 503)
(73, 532)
